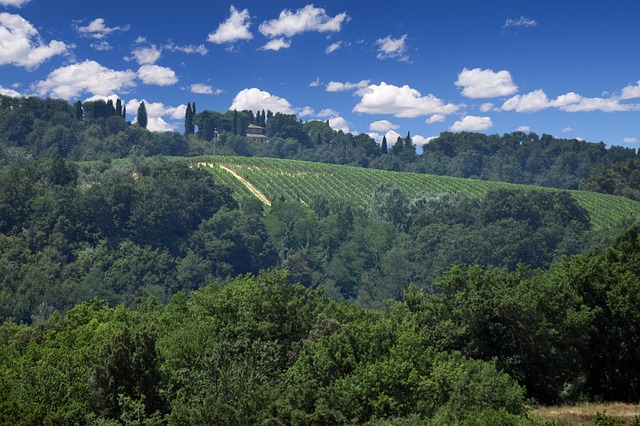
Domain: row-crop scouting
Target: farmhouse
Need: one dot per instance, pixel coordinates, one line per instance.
(256, 133)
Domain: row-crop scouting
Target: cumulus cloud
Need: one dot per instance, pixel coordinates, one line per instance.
(255, 99)
(569, 102)
(336, 86)
(479, 83)
(392, 48)
(235, 28)
(203, 89)
(568, 129)
(157, 75)
(327, 112)
(309, 18)
(435, 118)
(471, 123)
(147, 55)
(524, 129)
(631, 91)
(630, 140)
(277, 44)
(189, 49)
(401, 102)
(156, 114)
(486, 107)
(98, 30)
(16, 3)
(421, 140)
(520, 22)
(383, 126)
(85, 77)
(306, 112)
(339, 123)
(22, 45)
(9, 92)
(333, 47)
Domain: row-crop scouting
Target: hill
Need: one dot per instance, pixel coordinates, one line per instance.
(292, 179)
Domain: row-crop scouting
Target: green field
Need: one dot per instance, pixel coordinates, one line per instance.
(302, 180)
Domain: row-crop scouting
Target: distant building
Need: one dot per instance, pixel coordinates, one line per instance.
(256, 133)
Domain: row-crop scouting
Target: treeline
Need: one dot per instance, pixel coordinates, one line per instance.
(33, 128)
(259, 350)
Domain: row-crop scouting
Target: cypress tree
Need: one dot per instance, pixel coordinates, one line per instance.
(235, 122)
(119, 107)
(142, 115)
(78, 110)
(124, 112)
(188, 120)
(383, 146)
(111, 110)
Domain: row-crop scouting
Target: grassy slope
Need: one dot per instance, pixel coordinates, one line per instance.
(301, 180)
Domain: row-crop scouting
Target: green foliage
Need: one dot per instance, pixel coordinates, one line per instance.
(142, 118)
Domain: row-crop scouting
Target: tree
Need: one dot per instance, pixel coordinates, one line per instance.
(78, 110)
(189, 126)
(142, 115)
(119, 107)
(383, 147)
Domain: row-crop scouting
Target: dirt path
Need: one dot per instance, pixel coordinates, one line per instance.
(255, 191)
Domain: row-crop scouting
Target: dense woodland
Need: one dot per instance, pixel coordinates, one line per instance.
(142, 291)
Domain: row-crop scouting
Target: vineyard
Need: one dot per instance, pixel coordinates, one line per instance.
(300, 180)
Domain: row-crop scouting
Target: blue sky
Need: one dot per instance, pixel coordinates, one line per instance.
(566, 68)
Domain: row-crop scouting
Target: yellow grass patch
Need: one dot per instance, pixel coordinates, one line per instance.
(585, 413)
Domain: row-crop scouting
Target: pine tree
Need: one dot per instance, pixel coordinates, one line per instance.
(142, 115)
(383, 147)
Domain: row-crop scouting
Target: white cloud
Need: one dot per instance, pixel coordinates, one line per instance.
(306, 112)
(112, 97)
(401, 102)
(235, 28)
(202, 89)
(421, 140)
(157, 75)
(315, 83)
(189, 49)
(531, 102)
(255, 99)
(333, 47)
(435, 118)
(392, 48)
(523, 129)
(383, 126)
(569, 102)
(568, 129)
(277, 44)
(147, 55)
(631, 91)
(21, 44)
(471, 123)
(392, 137)
(84, 77)
(309, 18)
(336, 86)
(327, 112)
(630, 140)
(155, 113)
(102, 46)
(480, 83)
(98, 30)
(9, 92)
(486, 107)
(520, 22)
(339, 123)
(16, 3)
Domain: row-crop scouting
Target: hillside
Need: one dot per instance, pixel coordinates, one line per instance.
(293, 179)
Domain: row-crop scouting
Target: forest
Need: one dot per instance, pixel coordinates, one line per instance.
(135, 289)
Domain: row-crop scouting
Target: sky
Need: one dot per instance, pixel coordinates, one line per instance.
(566, 68)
